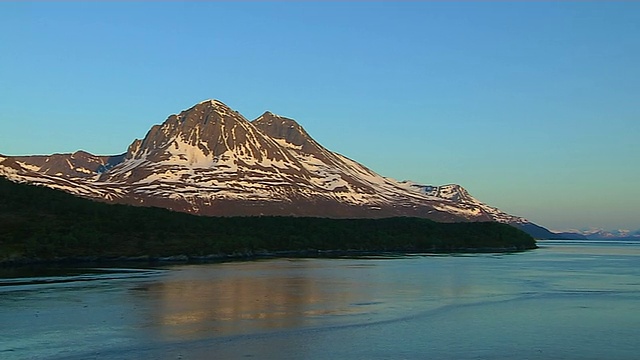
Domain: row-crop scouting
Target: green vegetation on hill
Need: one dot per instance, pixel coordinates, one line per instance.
(40, 223)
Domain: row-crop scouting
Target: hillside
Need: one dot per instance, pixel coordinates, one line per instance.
(38, 223)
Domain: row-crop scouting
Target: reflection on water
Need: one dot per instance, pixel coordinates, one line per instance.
(564, 301)
(196, 301)
(230, 298)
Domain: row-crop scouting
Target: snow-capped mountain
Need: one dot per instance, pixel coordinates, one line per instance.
(210, 160)
(602, 234)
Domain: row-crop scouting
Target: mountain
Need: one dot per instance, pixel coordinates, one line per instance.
(567, 235)
(210, 160)
(601, 234)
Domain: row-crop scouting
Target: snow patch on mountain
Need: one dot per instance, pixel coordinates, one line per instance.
(29, 167)
(183, 153)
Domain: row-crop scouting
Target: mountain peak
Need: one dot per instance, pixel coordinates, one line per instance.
(280, 127)
(206, 127)
(213, 103)
(207, 107)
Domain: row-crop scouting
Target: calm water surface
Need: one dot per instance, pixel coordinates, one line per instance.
(566, 300)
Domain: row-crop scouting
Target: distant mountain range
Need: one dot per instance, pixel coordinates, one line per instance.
(210, 160)
(601, 234)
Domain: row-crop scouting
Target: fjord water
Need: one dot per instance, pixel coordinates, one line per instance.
(565, 300)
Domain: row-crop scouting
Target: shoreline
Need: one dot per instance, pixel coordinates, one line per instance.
(249, 255)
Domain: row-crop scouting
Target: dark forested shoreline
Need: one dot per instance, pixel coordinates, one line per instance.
(38, 224)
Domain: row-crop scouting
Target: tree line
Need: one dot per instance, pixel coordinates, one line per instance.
(41, 223)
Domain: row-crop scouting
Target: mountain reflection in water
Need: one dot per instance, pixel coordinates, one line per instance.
(228, 298)
(193, 301)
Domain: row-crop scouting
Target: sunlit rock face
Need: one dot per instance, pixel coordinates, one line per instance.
(211, 160)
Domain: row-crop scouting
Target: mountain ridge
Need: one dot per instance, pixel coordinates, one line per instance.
(602, 234)
(210, 160)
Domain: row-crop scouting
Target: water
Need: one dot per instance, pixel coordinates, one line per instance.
(566, 300)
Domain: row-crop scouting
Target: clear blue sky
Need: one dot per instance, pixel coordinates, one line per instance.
(533, 107)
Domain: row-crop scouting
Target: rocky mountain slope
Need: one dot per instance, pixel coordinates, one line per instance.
(210, 160)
